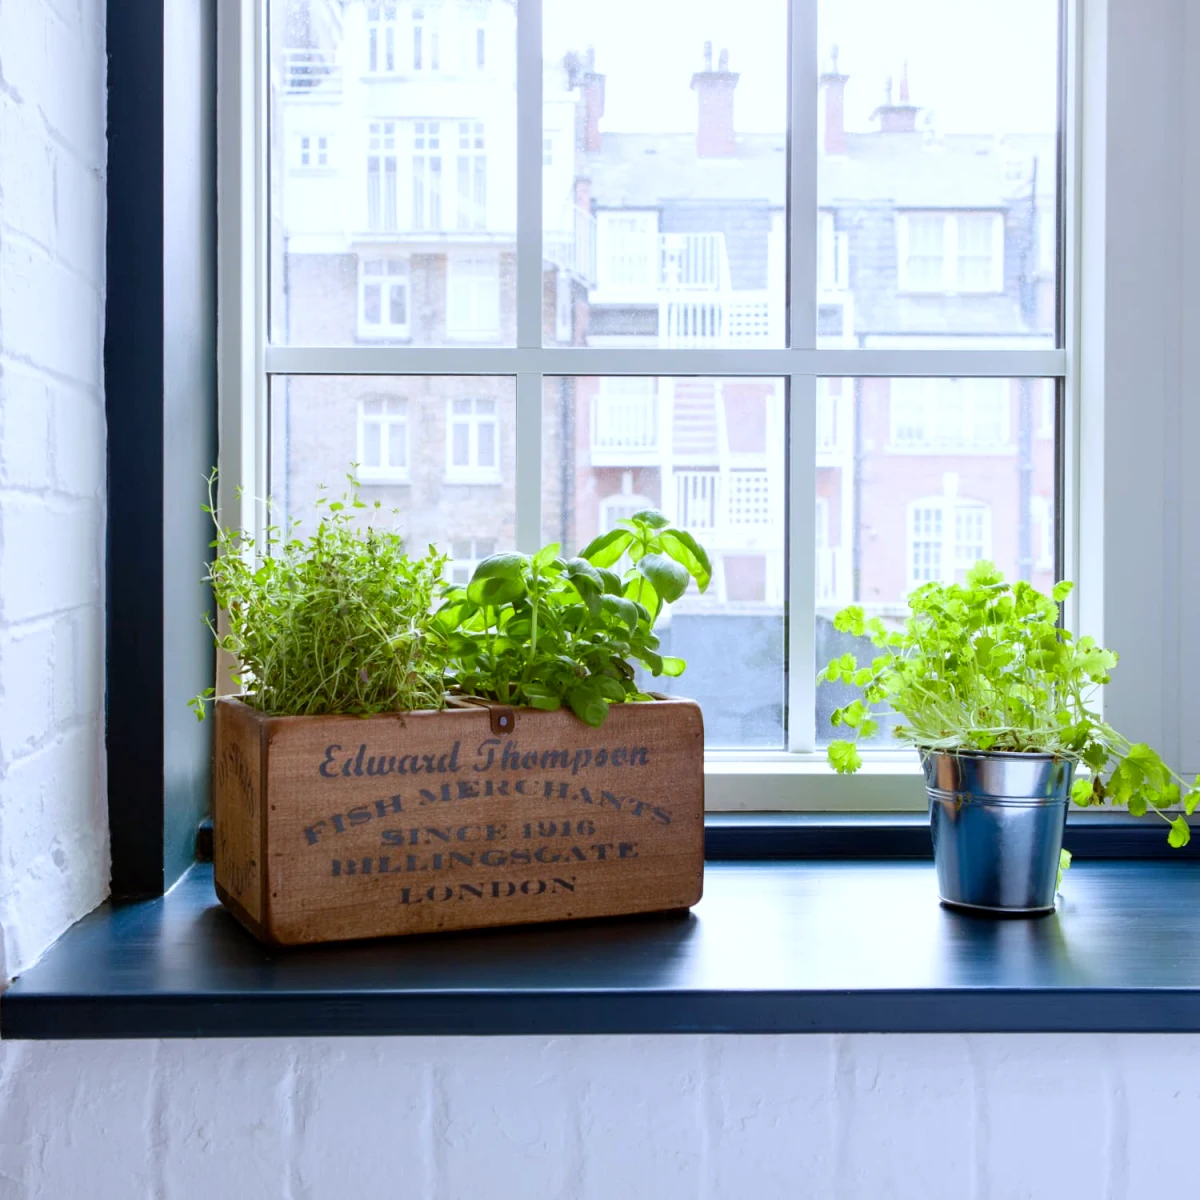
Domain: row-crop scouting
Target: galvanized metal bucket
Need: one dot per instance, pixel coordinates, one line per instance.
(997, 821)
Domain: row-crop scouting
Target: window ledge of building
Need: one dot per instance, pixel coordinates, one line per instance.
(823, 944)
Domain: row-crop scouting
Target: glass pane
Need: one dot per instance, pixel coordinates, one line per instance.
(383, 97)
(918, 479)
(710, 454)
(665, 172)
(314, 440)
(937, 175)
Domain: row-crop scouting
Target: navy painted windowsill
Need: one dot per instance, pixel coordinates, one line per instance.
(823, 945)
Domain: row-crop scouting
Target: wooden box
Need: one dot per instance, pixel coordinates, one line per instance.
(329, 828)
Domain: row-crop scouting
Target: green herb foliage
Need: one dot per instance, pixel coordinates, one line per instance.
(549, 632)
(986, 666)
(339, 622)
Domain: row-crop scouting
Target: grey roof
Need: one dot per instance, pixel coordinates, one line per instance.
(905, 170)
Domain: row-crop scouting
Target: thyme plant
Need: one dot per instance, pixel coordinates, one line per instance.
(338, 622)
(987, 666)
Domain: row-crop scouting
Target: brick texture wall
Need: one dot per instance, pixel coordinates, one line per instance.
(53, 848)
(603, 1118)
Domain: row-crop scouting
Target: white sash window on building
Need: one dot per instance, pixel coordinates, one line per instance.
(381, 176)
(427, 175)
(473, 444)
(472, 176)
(473, 303)
(946, 537)
(426, 42)
(383, 298)
(383, 439)
(381, 38)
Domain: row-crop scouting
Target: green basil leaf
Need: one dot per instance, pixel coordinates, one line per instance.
(670, 580)
(650, 517)
(587, 704)
(686, 551)
(610, 580)
(624, 610)
(499, 579)
(673, 667)
(607, 548)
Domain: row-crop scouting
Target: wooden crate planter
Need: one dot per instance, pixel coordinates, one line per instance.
(330, 828)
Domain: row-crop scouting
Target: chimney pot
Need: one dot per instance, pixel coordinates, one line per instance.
(900, 117)
(708, 56)
(723, 61)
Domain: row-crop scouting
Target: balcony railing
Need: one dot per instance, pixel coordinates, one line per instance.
(624, 427)
(722, 320)
(305, 72)
(735, 507)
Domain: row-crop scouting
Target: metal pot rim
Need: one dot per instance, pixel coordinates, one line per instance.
(1021, 755)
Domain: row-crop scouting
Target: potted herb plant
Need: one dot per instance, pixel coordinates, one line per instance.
(406, 756)
(997, 698)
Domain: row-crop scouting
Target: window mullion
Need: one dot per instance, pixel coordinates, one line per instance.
(529, 273)
(802, 175)
(529, 174)
(801, 562)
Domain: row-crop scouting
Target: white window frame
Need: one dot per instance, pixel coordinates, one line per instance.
(472, 471)
(393, 275)
(951, 415)
(383, 39)
(1105, 516)
(467, 564)
(462, 271)
(612, 284)
(950, 563)
(393, 422)
(949, 285)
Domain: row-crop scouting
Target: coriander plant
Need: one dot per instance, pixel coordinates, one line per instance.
(987, 666)
(545, 631)
(339, 622)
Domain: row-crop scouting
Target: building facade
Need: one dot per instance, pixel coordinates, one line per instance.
(393, 221)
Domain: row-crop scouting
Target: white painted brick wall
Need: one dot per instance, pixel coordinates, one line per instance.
(53, 841)
(984, 1117)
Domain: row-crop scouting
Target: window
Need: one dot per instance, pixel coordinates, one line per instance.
(933, 416)
(383, 440)
(620, 507)
(951, 252)
(946, 537)
(427, 175)
(718, 321)
(624, 420)
(472, 176)
(381, 38)
(383, 298)
(833, 255)
(465, 555)
(472, 447)
(426, 42)
(381, 176)
(312, 151)
(473, 309)
(628, 254)
(1042, 512)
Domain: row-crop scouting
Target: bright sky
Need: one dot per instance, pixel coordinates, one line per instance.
(980, 66)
